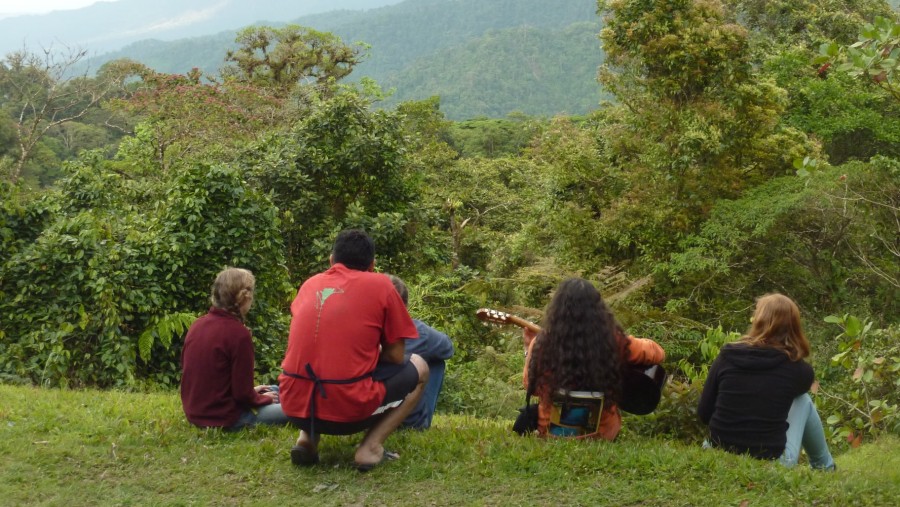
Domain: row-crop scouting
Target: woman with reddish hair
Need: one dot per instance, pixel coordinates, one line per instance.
(756, 400)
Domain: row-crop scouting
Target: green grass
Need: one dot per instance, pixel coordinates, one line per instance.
(73, 448)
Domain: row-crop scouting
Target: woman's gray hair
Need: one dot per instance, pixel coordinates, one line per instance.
(232, 288)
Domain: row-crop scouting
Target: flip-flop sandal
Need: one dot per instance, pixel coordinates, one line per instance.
(387, 456)
(303, 457)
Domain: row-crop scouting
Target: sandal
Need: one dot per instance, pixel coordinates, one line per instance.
(387, 456)
(303, 457)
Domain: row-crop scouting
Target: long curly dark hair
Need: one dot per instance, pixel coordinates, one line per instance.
(578, 348)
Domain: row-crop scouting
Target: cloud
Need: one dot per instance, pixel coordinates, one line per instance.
(185, 18)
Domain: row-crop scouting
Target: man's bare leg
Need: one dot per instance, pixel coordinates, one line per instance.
(306, 450)
(371, 449)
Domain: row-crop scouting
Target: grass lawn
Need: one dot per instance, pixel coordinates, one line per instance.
(73, 448)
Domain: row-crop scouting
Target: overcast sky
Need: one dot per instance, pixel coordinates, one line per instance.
(17, 7)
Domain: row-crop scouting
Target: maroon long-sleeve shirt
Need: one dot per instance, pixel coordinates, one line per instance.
(217, 371)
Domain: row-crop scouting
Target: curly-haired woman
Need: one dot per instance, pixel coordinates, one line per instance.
(755, 398)
(581, 347)
(217, 362)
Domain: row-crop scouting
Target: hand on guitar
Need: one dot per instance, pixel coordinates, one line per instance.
(528, 336)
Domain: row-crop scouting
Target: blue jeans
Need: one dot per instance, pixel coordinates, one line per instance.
(420, 417)
(805, 430)
(266, 414)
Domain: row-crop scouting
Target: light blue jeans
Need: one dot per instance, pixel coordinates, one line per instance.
(266, 414)
(805, 430)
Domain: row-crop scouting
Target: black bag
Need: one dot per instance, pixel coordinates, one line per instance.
(527, 421)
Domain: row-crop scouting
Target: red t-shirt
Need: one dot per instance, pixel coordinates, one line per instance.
(340, 317)
(217, 370)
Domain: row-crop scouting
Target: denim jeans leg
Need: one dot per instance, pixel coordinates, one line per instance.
(247, 420)
(805, 430)
(420, 417)
(271, 414)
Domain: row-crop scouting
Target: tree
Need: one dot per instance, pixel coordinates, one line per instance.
(875, 56)
(694, 122)
(40, 93)
(282, 58)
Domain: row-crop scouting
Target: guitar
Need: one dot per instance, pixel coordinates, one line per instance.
(641, 384)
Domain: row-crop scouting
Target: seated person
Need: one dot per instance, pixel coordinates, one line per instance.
(582, 348)
(435, 348)
(217, 362)
(345, 369)
(755, 399)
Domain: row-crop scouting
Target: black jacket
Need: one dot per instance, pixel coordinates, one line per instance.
(747, 396)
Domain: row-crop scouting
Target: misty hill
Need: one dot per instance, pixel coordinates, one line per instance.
(484, 57)
(108, 26)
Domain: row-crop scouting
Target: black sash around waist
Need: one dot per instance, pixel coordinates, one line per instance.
(319, 387)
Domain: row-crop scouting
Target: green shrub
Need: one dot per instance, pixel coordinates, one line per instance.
(865, 401)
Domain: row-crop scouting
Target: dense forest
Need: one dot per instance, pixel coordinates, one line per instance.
(484, 58)
(746, 147)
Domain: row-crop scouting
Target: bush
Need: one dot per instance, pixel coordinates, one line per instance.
(106, 287)
(863, 402)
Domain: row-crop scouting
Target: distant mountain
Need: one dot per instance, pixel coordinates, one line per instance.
(536, 71)
(108, 26)
(484, 57)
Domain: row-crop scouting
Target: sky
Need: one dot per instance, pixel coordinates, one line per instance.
(17, 7)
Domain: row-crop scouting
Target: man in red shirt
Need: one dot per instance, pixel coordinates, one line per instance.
(345, 370)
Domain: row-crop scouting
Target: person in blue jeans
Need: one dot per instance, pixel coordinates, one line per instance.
(434, 347)
(755, 400)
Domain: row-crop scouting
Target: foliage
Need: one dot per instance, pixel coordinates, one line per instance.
(96, 297)
(282, 58)
(694, 122)
(184, 118)
(492, 138)
(865, 401)
(339, 166)
(42, 98)
(805, 23)
(811, 239)
(875, 56)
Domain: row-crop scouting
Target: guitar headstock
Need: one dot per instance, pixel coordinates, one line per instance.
(494, 316)
(498, 317)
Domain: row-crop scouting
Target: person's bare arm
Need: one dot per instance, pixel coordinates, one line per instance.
(393, 352)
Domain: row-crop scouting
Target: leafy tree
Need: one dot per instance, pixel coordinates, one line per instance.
(339, 166)
(850, 119)
(875, 56)
(184, 118)
(41, 95)
(805, 23)
(694, 121)
(103, 276)
(826, 241)
(282, 58)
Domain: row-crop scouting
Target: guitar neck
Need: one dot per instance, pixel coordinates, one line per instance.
(518, 321)
(498, 317)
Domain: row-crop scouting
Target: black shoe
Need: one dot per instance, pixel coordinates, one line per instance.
(303, 457)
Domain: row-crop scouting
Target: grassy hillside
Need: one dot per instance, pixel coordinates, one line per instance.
(79, 448)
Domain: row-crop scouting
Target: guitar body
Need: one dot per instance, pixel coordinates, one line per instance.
(642, 388)
(642, 385)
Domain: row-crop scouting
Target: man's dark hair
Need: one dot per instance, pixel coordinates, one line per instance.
(354, 248)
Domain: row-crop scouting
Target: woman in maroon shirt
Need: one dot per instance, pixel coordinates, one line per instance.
(217, 362)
